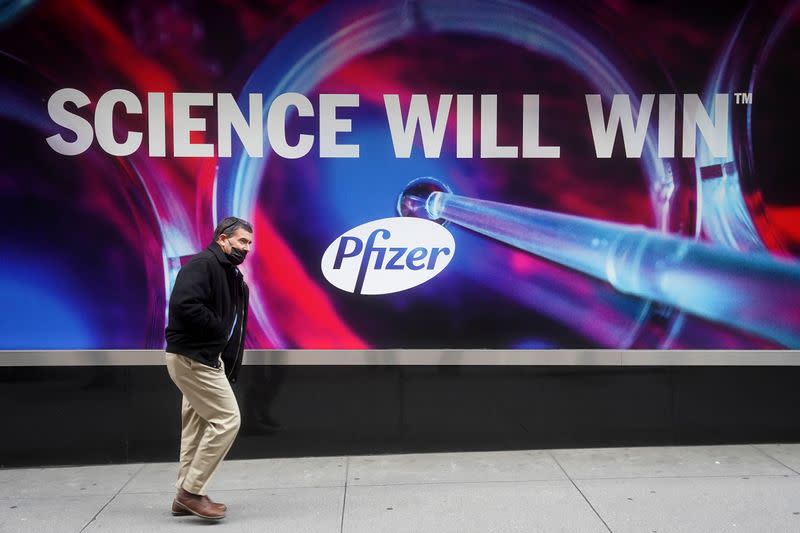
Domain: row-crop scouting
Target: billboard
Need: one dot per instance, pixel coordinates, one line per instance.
(498, 174)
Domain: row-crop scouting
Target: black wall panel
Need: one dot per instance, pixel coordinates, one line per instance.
(95, 415)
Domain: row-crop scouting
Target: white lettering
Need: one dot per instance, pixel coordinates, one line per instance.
(84, 134)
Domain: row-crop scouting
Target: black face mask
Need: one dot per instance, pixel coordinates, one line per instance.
(236, 256)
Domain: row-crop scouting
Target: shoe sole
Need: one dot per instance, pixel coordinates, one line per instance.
(186, 511)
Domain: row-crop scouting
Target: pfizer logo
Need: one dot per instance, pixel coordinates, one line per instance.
(388, 255)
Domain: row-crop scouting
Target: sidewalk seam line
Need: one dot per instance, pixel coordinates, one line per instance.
(774, 459)
(344, 498)
(580, 492)
(113, 497)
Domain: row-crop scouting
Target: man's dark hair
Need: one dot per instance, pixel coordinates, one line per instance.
(229, 225)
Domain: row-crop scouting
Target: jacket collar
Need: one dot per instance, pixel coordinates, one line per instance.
(215, 249)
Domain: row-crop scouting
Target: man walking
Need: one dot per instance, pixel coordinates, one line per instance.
(205, 343)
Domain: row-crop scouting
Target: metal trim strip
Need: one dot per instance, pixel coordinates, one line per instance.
(9, 358)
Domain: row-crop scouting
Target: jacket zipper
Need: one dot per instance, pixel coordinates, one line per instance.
(241, 327)
(236, 360)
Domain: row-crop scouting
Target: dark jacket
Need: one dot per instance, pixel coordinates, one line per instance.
(209, 293)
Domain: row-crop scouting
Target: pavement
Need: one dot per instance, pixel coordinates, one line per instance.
(741, 488)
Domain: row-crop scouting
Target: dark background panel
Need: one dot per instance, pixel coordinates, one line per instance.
(96, 415)
(719, 404)
(58, 415)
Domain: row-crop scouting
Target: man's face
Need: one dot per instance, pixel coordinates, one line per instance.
(241, 239)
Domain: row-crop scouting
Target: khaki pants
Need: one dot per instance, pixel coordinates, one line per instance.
(209, 420)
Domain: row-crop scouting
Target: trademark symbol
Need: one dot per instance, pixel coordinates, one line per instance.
(744, 98)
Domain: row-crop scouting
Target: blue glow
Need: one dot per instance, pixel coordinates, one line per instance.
(363, 189)
(38, 315)
(10, 10)
(534, 344)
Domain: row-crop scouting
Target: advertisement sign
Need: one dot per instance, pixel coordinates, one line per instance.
(434, 174)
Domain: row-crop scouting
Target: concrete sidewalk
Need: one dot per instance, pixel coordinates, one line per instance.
(693, 489)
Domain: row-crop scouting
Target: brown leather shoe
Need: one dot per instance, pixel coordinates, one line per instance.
(185, 502)
(177, 510)
(221, 506)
